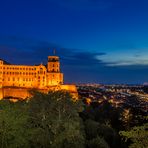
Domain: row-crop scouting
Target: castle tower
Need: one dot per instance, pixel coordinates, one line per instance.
(53, 64)
(54, 76)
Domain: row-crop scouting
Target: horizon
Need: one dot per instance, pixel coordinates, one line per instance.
(102, 41)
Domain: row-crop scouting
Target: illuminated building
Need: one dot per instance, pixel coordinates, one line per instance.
(24, 77)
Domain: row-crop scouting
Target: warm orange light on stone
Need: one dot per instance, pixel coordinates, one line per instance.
(88, 101)
(15, 80)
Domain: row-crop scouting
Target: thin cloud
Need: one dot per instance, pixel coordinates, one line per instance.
(27, 51)
(125, 58)
(129, 63)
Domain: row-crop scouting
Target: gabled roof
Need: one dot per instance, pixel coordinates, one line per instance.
(5, 62)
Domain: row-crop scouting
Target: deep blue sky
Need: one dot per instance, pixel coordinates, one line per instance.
(102, 41)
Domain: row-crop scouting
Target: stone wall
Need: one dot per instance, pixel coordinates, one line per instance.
(16, 93)
(23, 93)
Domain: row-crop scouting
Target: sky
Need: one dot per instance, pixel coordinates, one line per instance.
(98, 41)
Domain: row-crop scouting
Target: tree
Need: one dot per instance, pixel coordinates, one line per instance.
(103, 113)
(137, 135)
(97, 143)
(94, 129)
(126, 118)
(13, 119)
(54, 120)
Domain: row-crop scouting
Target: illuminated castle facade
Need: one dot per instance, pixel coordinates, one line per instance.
(40, 77)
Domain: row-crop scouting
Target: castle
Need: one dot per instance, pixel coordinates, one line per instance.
(16, 80)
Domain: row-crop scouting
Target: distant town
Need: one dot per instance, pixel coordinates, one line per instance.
(120, 96)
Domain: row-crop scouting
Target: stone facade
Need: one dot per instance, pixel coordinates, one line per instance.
(40, 77)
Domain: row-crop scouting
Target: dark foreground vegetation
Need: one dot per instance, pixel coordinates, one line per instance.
(55, 120)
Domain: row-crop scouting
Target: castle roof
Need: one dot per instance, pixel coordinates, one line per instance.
(5, 62)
